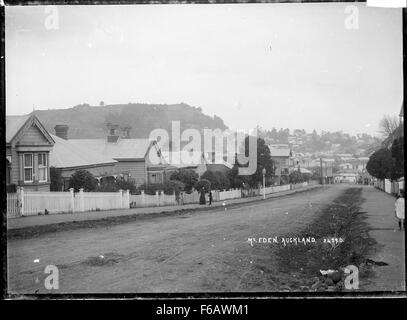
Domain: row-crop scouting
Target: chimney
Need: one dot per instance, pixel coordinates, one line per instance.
(61, 131)
(113, 132)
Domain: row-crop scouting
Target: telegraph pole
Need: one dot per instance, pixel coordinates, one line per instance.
(322, 171)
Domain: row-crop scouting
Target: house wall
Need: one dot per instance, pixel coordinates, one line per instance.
(136, 169)
(281, 163)
(97, 171)
(32, 141)
(32, 136)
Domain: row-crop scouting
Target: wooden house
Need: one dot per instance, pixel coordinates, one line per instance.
(28, 145)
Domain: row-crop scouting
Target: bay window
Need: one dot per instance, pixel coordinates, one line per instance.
(42, 167)
(28, 167)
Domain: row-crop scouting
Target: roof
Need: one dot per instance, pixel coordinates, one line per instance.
(13, 125)
(183, 158)
(279, 152)
(303, 170)
(66, 154)
(122, 149)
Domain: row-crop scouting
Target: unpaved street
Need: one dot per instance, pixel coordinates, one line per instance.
(193, 252)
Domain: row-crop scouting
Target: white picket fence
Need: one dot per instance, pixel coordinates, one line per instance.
(388, 186)
(27, 203)
(230, 194)
(13, 205)
(36, 202)
(160, 199)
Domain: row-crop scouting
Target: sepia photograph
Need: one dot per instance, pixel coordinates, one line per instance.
(204, 149)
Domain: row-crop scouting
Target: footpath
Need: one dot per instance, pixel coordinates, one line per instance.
(379, 208)
(53, 219)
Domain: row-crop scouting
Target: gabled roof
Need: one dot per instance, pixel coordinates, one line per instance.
(15, 124)
(65, 154)
(122, 149)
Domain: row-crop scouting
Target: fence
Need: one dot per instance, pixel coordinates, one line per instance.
(230, 194)
(27, 203)
(13, 205)
(24, 203)
(392, 187)
(36, 202)
(155, 200)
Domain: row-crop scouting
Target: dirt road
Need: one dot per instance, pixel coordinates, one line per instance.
(194, 252)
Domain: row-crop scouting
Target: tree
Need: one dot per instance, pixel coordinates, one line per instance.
(187, 176)
(57, 182)
(126, 185)
(388, 124)
(397, 152)
(173, 186)
(263, 161)
(236, 180)
(203, 183)
(218, 180)
(380, 164)
(82, 179)
(296, 177)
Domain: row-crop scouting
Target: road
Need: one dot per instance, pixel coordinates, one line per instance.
(194, 252)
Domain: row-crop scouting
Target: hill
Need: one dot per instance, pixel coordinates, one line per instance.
(87, 121)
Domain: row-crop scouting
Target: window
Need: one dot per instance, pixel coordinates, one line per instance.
(42, 167)
(28, 167)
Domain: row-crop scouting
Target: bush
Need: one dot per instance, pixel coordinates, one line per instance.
(11, 188)
(237, 181)
(296, 177)
(173, 186)
(57, 182)
(203, 183)
(107, 187)
(187, 176)
(83, 179)
(151, 188)
(126, 185)
(218, 180)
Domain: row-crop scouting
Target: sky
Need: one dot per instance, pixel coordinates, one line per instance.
(268, 65)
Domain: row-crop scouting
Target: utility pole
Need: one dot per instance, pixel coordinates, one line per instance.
(264, 183)
(322, 171)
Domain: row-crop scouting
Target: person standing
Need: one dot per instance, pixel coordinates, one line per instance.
(400, 210)
(202, 199)
(210, 197)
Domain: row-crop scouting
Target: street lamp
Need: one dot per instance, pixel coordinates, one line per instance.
(264, 182)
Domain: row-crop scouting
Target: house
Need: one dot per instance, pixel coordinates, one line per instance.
(136, 160)
(281, 159)
(28, 145)
(192, 160)
(68, 158)
(219, 162)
